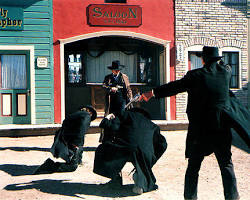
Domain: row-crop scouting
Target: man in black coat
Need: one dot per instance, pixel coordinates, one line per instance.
(137, 140)
(210, 113)
(117, 87)
(69, 141)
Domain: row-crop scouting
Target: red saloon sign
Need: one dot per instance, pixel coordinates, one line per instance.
(114, 15)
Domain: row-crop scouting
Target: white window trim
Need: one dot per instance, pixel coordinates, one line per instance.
(32, 74)
(237, 50)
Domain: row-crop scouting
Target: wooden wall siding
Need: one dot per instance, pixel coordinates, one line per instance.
(96, 68)
(37, 31)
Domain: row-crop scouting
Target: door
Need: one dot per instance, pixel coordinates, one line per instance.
(15, 87)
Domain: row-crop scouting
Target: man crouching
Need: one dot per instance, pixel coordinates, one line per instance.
(136, 139)
(69, 141)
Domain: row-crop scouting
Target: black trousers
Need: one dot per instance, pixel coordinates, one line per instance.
(222, 150)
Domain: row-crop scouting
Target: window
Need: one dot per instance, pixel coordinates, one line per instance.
(75, 69)
(115, 1)
(13, 72)
(194, 62)
(232, 59)
(144, 70)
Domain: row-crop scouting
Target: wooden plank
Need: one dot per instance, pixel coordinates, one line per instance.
(43, 96)
(22, 40)
(40, 34)
(43, 102)
(43, 90)
(43, 115)
(42, 46)
(35, 21)
(37, 15)
(42, 77)
(42, 53)
(35, 27)
(44, 121)
(43, 108)
(37, 9)
(43, 84)
(43, 71)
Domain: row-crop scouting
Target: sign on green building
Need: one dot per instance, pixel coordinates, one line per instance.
(11, 18)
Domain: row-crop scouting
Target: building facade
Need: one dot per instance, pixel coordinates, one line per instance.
(26, 62)
(221, 23)
(89, 35)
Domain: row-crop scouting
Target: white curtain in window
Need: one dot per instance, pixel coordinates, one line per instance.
(13, 69)
(195, 62)
(96, 68)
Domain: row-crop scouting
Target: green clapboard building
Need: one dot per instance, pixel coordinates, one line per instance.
(26, 62)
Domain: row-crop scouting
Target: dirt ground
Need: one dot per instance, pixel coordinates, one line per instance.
(21, 156)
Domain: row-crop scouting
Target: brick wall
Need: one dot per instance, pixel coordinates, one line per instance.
(221, 23)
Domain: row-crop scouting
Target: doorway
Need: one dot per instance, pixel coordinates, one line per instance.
(15, 89)
(86, 63)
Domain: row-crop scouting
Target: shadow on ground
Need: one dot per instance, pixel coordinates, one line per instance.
(62, 187)
(24, 149)
(18, 170)
(38, 149)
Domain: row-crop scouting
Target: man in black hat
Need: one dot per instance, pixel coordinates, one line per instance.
(211, 114)
(118, 91)
(69, 141)
(137, 140)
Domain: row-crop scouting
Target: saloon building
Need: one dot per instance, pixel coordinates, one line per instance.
(54, 53)
(89, 35)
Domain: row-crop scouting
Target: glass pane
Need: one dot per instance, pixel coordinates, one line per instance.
(195, 61)
(6, 104)
(75, 68)
(232, 58)
(145, 70)
(21, 104)
(13, 72)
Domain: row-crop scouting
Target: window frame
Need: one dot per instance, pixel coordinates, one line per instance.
(234, 50)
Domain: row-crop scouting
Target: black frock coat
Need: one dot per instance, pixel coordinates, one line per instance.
(75, 126)
(115, 102)
(70, 134)
(209, 106)
(138, 140)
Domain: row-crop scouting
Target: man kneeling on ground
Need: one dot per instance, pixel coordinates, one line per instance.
(137, 140)
(68, 142)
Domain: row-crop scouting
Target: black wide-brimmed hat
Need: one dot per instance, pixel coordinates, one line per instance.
(92, 110)
(209, 53)
(116, 65)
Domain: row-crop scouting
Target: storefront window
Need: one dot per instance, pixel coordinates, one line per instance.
(232, 59)
(194, 62)
(13, 72)
(144, 70)
(75, 69)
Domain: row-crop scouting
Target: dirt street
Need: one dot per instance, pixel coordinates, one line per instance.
(21, 156)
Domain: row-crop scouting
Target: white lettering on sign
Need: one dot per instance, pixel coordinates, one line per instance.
(179, 52)
(42, 62)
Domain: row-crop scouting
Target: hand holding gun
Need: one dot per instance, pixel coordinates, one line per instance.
(146, 96)
(113, 88)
